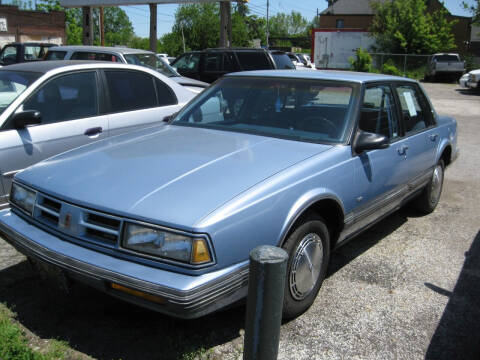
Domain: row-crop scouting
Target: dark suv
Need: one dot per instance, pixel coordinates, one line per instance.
(23, 52)
(211, 64)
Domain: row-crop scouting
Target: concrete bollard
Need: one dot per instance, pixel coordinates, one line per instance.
(266, 284)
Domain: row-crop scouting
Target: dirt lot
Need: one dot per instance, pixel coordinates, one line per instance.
(409, 288)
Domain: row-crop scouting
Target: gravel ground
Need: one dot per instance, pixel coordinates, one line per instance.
(409, 288)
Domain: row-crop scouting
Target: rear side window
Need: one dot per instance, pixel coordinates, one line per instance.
(32, 52)
(83, 55)
(130, 90)
(416, 112)
(55, 55)
(9, 55)
(213, 62)
(253, 60)
(165, 95)
(187, 62)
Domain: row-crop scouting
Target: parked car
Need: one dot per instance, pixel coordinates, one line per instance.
(48, 107)
(471, 80)
(304, 160)
(126, 56)
(211, 64)
(305, 59)
(445, 65)
(23, 52)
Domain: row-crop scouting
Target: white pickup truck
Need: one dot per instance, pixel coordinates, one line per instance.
(445, 65)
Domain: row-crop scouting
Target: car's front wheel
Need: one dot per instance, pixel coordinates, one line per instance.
(308, 247)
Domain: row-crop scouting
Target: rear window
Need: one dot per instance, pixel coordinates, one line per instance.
(253, 60)
(282, 61)
(84, 55)
(445, 58)
(55, 55)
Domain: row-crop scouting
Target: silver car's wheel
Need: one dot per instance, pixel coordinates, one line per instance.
(306, 266)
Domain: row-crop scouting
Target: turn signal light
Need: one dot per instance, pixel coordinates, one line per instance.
(200, 253)
(138, 293)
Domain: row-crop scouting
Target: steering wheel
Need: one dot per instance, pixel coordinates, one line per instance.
(318, 124)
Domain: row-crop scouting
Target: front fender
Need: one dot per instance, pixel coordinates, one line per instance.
(302, 204)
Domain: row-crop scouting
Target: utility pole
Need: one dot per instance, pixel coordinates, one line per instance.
(318, 19)
(225, 24)
(102, 27)
(268, 29)
(153, 27)
(87, 25)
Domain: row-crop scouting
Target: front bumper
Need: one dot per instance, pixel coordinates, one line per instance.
(472, 84)
(185, 296)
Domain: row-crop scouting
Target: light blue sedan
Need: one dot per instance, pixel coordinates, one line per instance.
(303, 160)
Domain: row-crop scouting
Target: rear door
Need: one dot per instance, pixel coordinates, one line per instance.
(69, 104)
(136, 99)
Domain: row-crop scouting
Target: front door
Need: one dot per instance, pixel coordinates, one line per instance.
(69, 108)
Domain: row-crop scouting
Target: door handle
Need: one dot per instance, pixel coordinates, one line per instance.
(93, 131)
(433, 137)
(402, 150)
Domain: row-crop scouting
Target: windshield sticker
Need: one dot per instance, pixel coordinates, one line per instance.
(411, 106)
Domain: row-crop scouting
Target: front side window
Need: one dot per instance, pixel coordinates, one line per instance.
(213, 62)
(68, 97)
(415, 110)
(303, 110)
(12, 84)
(378, 114)
(130, 90)
(32, 52)
(187, 62)
(253, 60)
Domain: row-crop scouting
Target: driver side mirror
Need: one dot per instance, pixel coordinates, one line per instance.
(24, 118)
(369, 141)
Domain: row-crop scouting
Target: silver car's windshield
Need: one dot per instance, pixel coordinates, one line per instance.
(296, 109)
(151, 61)
(12, 84)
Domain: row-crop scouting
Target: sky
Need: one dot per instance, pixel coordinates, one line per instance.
(140, 15)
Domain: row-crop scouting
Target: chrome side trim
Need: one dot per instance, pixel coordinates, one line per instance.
(12, 173)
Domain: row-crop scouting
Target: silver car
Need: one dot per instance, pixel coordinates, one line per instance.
(126, 56)
(48, 107)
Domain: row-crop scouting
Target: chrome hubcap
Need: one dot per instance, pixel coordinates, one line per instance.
(436, 186)
(306, 265)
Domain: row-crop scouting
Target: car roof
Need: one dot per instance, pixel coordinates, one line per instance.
(31, 43)
(120, 50)
(334, 75)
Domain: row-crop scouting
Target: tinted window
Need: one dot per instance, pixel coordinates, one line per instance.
(253, 60)
(230, 62)
(32, 52)
(83, 55)
(130, 90)
(67, 97)
(416, 112)
(213, 62)
(303, 110)
(187, 62)
(445, 58)
(12, 84)
(282, 61)
(378, 114)
(165, 95)
(55, 55)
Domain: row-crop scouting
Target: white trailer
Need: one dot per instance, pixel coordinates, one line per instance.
(332, 48)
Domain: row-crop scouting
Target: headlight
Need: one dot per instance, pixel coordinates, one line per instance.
(23, 197)
(157, 242)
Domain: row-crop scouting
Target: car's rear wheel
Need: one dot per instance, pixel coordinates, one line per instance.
(308, 247)
(427, 201)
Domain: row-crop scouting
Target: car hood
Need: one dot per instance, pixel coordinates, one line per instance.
(185, 81)
(172, 175)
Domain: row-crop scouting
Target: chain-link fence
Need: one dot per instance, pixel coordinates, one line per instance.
(409, 65)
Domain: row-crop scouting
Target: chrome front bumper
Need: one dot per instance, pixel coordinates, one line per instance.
(185, 296)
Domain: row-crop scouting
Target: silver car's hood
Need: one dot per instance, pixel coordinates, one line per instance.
(171, 175)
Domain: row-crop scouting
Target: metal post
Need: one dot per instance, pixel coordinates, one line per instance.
(102, 28)
(405, 65)
(153, 27)
(266, 285)
(224, 24)
(268, 29)
(87, 25)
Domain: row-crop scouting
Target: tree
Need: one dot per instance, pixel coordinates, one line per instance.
(405, 26)
(292, 24)
(474, 9)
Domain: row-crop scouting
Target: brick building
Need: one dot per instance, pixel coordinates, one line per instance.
(28, 25)
(358, 14)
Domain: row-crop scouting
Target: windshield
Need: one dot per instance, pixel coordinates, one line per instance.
(152, 61)
(12, 84)
(296, 109)
(446, 58)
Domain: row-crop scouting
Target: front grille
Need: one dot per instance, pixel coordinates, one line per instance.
(77, 222)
